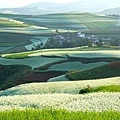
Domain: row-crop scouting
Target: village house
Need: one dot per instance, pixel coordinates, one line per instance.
(81, 35)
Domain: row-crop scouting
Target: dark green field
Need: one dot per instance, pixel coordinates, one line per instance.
(105, 71)
(10, 74)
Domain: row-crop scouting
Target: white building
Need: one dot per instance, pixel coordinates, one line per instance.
(81, 35)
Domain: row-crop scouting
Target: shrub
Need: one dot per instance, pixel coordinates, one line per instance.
(85, 90)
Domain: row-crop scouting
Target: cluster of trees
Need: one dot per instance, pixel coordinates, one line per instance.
(116, 42)
(37, 47)
(77, 42)
(115, 15)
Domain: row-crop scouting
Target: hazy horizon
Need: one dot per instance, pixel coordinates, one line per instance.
(21, 3)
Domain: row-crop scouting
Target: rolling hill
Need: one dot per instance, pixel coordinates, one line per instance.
(48, 8)
(111, 11)
(25, 28)
(29, 75)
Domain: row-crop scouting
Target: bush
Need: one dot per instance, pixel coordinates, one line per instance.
(85, 90)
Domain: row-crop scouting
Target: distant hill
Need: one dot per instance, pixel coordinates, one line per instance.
(48, 8)
(111, 11)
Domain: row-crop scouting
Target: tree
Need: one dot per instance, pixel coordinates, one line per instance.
(56, 30)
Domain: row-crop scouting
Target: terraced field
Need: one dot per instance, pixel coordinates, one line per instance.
(5, 22)
(84, 21)
(66, 64)
(33, 62)
(97, 70)
(46, 25)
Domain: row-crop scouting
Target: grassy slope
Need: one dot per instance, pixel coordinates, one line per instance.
(91, 21)
(94, 73)
(73, 21)
(8, 23)
(9, 39)
(12, 39)
(109, 88)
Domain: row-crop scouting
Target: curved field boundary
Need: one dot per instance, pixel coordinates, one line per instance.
(71, 87)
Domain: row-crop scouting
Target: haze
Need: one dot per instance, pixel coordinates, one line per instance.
(20, 3)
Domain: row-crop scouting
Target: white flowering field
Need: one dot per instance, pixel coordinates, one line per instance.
(61, 95)
(92, 102)
(71, 87)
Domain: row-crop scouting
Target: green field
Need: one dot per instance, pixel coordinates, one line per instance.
(57, 115)
(109, 88)
(104, 71)
(4, 22)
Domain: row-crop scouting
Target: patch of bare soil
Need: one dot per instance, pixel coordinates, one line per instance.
(37, 77)
(115, 64)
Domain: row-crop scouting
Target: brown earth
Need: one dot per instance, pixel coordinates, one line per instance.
(115, 64)
(37, 77)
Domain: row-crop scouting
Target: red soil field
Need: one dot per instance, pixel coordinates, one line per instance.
(115, 64)
(37, 77)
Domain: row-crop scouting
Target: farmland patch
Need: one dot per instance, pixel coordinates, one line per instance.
(41, 76)
(4, 48)
(96, 54)
(33, 62)
(105, 71)
(37, 42)
(71, 66)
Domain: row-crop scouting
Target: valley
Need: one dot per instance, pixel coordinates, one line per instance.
(68, 62)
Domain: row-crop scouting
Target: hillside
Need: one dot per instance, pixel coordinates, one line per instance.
(52, 63)
(28, 32)
(112, 11)
(48, 7)
(106, 71)
(60, 61)
(76, 21)
(64, 95)
(70, 87)
(12, 73)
